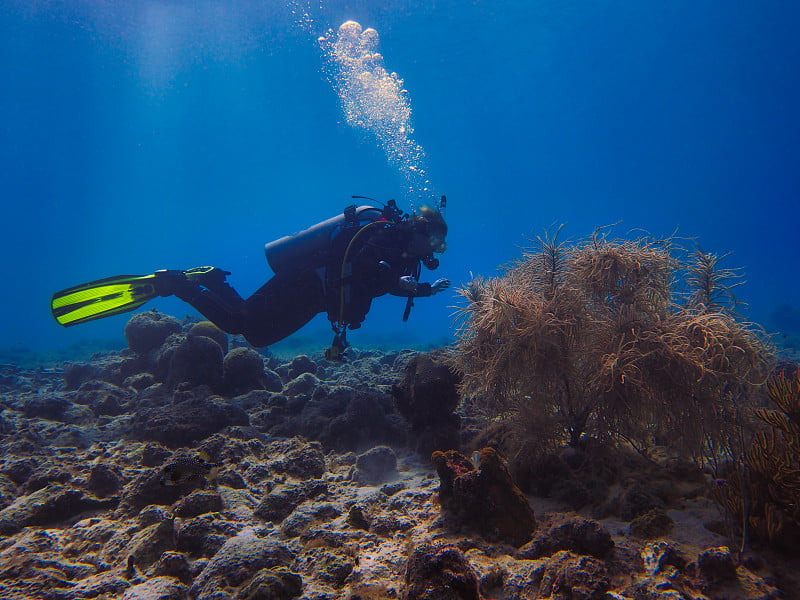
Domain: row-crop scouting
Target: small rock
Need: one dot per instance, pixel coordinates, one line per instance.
(279, 504)
(43, 476)
(358, 517)
(107, 585)
(306, 516)
(661, 554)
(47, 506)
(653, 524)
(172, 564)
(304, 384)
(46, 407)
(303, 460)
(76, 373)
(440, 573)
(717, 564)
(427, 397)
(376, 465)
(103, 398)
(19, 470)
(152, 514)
(636, 501)
(103, 480)
(197, 503)
(582, 578)
(140, 381)
(145, 489)
(389, 524)
(333, 567)
(232, 479)
(185, 422)
(147, 545)
(157, 588)
(278, 583)
(573, 533)
(154, 455)
(390, 489)
(272, 381)
(203, 535)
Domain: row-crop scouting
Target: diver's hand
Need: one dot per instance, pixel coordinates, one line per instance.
(439, 285)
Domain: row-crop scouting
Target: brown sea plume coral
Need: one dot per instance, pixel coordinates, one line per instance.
(763, 495)
(633, 340)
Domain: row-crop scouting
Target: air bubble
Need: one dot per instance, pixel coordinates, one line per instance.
(374, 99)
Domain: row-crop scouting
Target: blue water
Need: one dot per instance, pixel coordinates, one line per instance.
(145, 135)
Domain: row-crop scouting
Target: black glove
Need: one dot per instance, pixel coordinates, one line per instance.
(439, 285)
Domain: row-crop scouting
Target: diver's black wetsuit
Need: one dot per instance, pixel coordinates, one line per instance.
(376, 262)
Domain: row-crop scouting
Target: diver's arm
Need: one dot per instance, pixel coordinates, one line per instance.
(408, 286)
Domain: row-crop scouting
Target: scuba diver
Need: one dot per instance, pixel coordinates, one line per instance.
(337, 266)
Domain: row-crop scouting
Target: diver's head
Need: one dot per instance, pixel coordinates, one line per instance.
(428, 232)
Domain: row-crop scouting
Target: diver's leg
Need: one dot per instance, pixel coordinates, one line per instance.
(282, 306)
(209, 294)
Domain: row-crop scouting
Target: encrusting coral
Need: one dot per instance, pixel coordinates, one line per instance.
(633, 340)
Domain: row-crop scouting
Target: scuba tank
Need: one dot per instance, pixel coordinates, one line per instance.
(308, 249)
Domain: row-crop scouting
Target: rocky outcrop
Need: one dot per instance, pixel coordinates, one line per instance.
(185, 422)
(237, 563)
(427, 397)
(486, 498)
(278, 504)
(48, 506)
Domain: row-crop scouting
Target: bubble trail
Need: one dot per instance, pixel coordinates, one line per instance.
(374, 100)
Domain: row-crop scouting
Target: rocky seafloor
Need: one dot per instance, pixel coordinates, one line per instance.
(316, 480)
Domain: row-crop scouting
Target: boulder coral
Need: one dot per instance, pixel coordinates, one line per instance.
(242, 371)
(146, 331)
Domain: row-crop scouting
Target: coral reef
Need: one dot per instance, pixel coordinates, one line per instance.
(305, 484)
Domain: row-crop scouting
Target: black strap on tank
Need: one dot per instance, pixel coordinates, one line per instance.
(350, 218)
